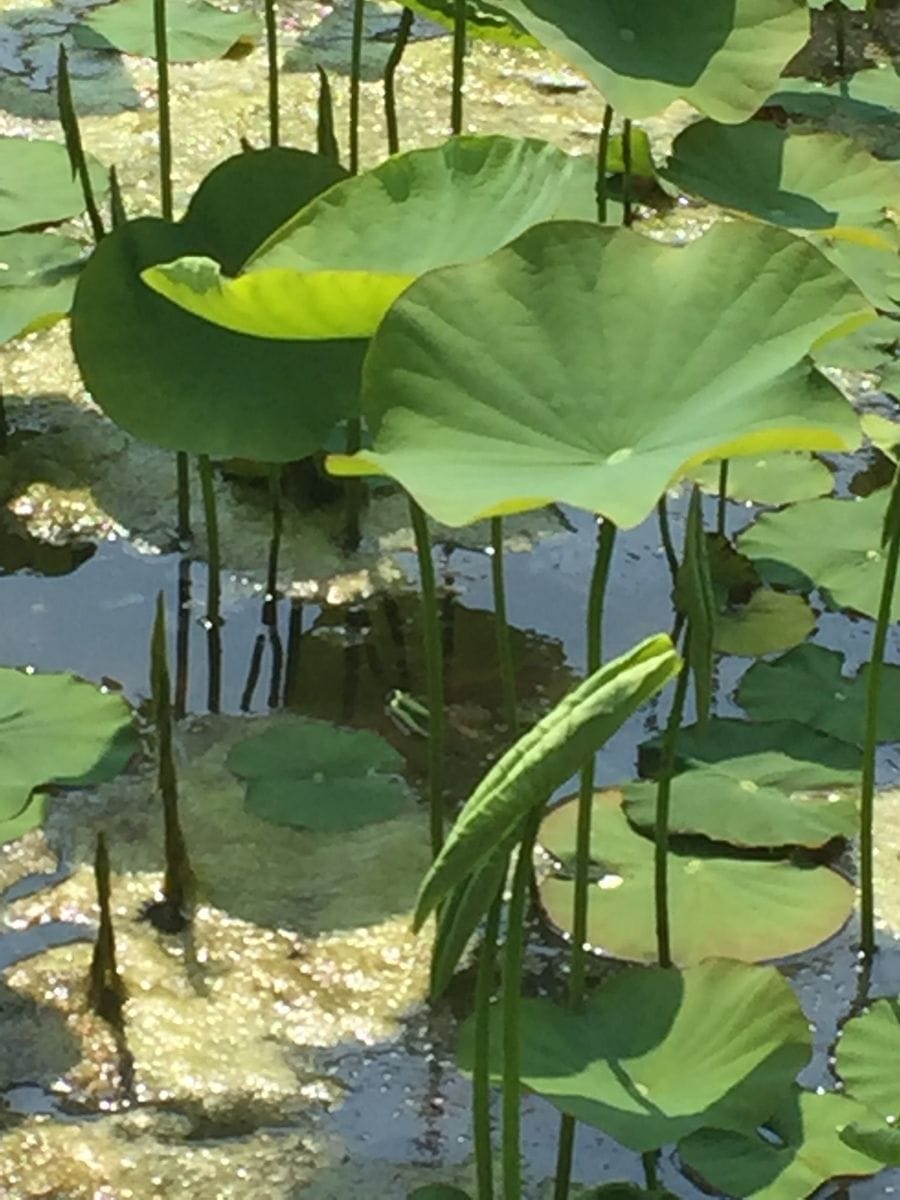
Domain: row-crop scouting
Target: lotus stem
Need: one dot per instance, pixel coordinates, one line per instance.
(106, 991)
(211, 516)
(68, 118)
(326, 141)
(274, 544)
(459, 66)
(481, 1073)
(606, 536)
(870, 740)
(401, 39)
(182, 636)
(663, 796)
(665, 534)
(183, 484)
(272, 67)
(161, 38)
(117, 213)
(253, 673)
(648, 1161)
(512, 987)
(627, 206)
(504, 646)
(355, 73)
(722, 505)
(601, 186)
(434, 671)
(871, 13)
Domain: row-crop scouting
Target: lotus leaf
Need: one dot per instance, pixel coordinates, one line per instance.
(870, 95)
(37, 281)
(36, 184)
(808, 685)
(768, 622)
(628, 1191)
(483, 21)
(56, 730)
(197, 31)
(868, 256)
(866, 349)
(723, 56)
(881, 1143)
(742, 782)
(867, 1054)
(740, 908)
(656, 1054)
(438, 1191)
(370, 236)
(500, 385)
(212, 392)
(801, 1150)
(311, 775)
(790, 549)
(776, 479)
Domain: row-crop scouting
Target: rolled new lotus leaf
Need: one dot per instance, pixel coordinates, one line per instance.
(543, 759)
(534, 375)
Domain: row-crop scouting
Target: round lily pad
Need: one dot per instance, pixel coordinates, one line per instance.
(37, 280)
(807, 685)
(741, 908)
(776, 479)
(197, 31)
(834, 545)
(36, 183)
(311, 775)
(867, 1056)
(769, 621)
(656, 1054)
(797, 1151)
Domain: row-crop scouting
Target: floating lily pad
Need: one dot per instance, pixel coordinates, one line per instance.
(723, 56)
(741, 908)
(211, 392)
(867, 1056)
(742, 782)
(808, 685)
(461, 373)
(870, 95)
(656, 1054)
(197, 32)
(36, 183)
(768, 622)
(800, 1150)
(881, 1143)
(37, 280)
(776, 479)
(834, 545)
(56, 730)
(311, 775)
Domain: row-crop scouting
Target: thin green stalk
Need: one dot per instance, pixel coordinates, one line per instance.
(434, 671)
(722, 508)
(353, 489)
(106, 991)
(873, 702)
(600, 187)
(606, 535)
(665, 534)
(69, 120)
(401, 39)
(161, 38)
(512, 987)
(4, 425)
(182, 637)
(871, 13)
(504, 646)
(459, 66)
(481, 1072)
(117, 212)
(651, 1178)
(211, 516)
(183, 483)
(271, 18)
(355, 73)
(326, 138)
(663, 795)
(275, 542)
(627, 206)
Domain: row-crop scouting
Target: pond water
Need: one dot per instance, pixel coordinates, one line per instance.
(284, 1048)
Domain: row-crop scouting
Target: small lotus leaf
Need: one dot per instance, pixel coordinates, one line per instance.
(316, 776)
(37, 281)
(723, 56)
(741, 908)
(197, 31)
(656, 1054)
(834, 545)
(879, 1142)
(501, 385)
(807, 685)
(56, 730)
(776, 479)
(36, 183)
(768, 622)
(800, 1150)
(867, 1056)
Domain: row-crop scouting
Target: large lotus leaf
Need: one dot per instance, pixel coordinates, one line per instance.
(380, 230)
(36, 183)
(656, 1054)
(315, 776)
(211, 391)
(776, 479)
(724, 56)
(197, 31)
(742, 785)
(59, 730)
(870, 95)
(798, 1150)
(741, 908)
(867, 1057)
(768, 622)
(504, 384)
(834, 545)
(807, 685)
(37, 280)
(798, 180)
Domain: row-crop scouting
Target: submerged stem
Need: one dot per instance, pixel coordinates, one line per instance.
(481, 1072)
(459, 66)
(434, 672)
(356, 39)
(600, 188)
(663, 795)
(401, 39)
(665, 534)
(272, 67)
(722, 506)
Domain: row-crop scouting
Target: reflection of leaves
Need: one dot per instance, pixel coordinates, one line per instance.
(19, 551)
